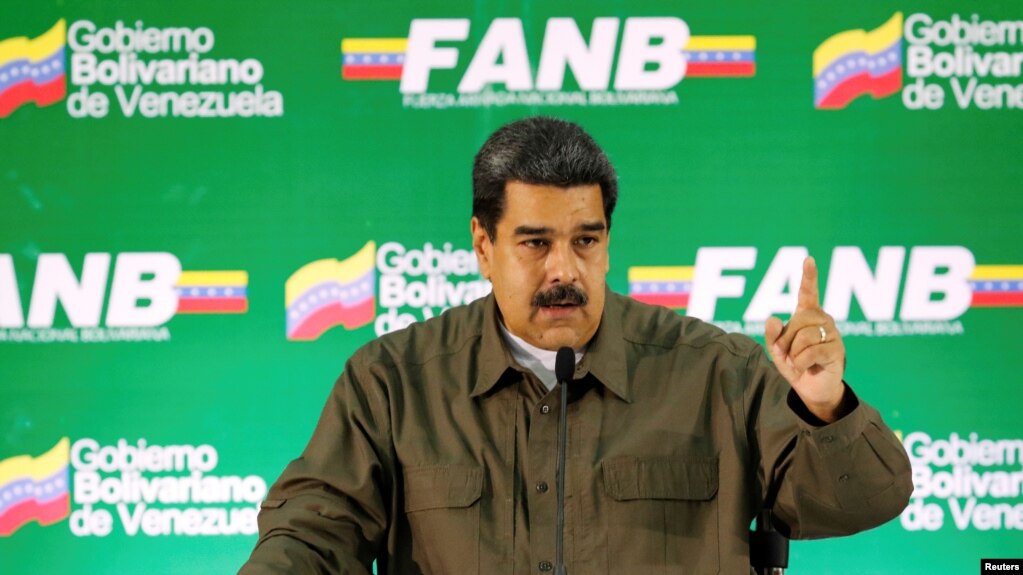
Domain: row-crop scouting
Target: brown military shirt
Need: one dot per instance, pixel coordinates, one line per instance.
(436, 453)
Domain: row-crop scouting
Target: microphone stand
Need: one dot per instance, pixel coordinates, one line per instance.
(564, 367)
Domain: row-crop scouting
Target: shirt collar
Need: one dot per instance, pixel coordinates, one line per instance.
(494, 359)
(604, 359)
(605, 356)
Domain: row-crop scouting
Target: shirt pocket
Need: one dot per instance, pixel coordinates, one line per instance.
(662, 513)
(442, 504)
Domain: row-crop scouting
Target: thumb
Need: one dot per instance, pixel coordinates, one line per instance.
(772, 331)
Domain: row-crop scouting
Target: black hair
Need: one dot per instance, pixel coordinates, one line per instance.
(538, 150)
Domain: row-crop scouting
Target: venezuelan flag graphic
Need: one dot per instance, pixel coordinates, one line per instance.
(997, 286)
(213, 292)
(372, 58)
(721, 56)
(35, 488)
(32, 70)
(669, 286)
(856, 62)
(329, 292)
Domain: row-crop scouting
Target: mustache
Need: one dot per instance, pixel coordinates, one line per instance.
(560, 294)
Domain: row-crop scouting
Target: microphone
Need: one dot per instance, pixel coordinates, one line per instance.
(564, 364)
(564, 367)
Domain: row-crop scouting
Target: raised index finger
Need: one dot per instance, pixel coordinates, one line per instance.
(809, 294)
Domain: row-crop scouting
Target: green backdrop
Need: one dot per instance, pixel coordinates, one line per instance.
(244, 138)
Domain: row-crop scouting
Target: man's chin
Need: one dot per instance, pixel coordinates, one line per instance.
(557, 337)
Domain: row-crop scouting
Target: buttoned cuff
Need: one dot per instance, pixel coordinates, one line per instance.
(835, 436)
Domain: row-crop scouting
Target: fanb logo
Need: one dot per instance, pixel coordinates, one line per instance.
(941, 283)
(145, 291)
(651, 58)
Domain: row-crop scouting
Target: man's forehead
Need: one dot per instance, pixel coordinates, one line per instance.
(553, 202)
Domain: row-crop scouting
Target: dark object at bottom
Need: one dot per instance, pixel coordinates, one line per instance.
(768, 549)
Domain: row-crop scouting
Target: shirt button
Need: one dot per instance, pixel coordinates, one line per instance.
(545, 566)
(843, 478)
(828, 438)
(545, 409)
(542, 487)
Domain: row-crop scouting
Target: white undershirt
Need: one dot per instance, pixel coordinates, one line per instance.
(539, 361)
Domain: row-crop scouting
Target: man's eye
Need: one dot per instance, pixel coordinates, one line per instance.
(586, 241)
(535, 243)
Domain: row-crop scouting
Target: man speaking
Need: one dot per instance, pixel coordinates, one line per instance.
(437, 451)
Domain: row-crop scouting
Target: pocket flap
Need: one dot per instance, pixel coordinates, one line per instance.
(439, 486)
(694, 478)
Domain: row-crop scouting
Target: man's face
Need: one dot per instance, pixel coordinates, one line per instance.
(548, 262)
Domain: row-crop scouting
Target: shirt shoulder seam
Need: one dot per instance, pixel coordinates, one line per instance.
(390, 357)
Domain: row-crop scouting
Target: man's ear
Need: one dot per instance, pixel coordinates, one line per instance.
(482, 245)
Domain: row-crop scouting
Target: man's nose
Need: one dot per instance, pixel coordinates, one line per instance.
(561, 263)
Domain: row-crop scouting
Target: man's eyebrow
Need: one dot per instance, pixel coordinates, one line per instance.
(532, 231)
(594, 226)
